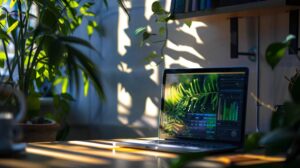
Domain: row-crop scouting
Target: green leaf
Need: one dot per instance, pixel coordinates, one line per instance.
(146, 36)
(33, 105)
(157, 8)
(188, 23)
(275, 52)
(140, 30)
(76, 40)
(12, 3)
(12, 27)
(162, 31)
(89, 68)
(278, 141)
(289, 38)
(105, 3)
(252, 141)
(73, 4)
(89, 30)
(153, 55)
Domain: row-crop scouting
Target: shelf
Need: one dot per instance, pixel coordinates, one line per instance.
(267, 7)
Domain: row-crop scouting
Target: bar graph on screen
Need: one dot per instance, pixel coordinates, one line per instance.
(228, 109)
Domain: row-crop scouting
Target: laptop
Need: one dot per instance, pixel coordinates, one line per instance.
(202, 110)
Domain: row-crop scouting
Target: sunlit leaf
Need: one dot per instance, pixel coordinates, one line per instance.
(90, 30)
(188, 23)
(12, 27)
(73, 4)
(64, 86)
(85, 84)
(12, 3)
(157, 8)
(140, 30)
(275, 52)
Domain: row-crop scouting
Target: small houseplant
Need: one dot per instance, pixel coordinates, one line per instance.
(38, 46)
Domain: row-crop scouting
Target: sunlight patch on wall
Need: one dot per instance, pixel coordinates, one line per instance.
(155, 75)
(169, 61)
(123, 67)
(151, 109)
(148, 9)
(185, 48)
(193, 30)
(123, 40)
(124, 100)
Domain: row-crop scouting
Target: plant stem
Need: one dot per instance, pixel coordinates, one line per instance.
(7, 62)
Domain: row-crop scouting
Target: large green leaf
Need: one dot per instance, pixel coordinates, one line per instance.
(76, 40)
(88, 67)
(275, 52)
(157, 8)
(278, 141)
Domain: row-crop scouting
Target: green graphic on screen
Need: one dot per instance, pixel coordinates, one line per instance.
(188, 97)
(228, 110)
(195, 106)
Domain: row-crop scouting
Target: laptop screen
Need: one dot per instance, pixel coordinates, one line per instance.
(207, 104)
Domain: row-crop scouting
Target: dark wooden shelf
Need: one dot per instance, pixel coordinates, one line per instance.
(267, 7)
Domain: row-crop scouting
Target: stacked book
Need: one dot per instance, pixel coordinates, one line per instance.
(184, 6)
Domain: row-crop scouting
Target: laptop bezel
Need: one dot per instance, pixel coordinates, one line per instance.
(208, 70)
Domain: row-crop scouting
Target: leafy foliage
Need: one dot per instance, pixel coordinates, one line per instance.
(162, 17)
(44, 49)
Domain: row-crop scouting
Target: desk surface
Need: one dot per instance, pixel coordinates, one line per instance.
(92, 153)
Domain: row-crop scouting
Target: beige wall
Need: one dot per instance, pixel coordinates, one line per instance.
(132, 85)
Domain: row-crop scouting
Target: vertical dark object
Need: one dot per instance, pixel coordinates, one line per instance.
(234, 44)
(294, 29)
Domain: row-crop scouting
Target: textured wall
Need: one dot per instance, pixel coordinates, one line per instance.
(133, 86)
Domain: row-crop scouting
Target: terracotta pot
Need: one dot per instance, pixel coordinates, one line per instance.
(39, 132)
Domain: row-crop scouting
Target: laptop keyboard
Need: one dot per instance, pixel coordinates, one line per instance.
(207, 145)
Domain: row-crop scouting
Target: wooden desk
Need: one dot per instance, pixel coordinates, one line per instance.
(92, 153)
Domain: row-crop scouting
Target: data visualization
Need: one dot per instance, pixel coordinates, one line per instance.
(204, 106)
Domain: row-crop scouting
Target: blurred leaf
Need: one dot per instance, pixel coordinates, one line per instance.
(63, 133)
(33, 105)
(278, 141)
(139, 30)
(90, 30)
(188, 23)
(294, 87)
(146, 36)
(278, 117)
(183, 159)
(12, 27)
(76, 40)
(157, 8)
(85, 84)
(105, 3)
(12, 3)
(162, 31)
(252, 141)
(289, 38)
(89, 68)
(73, 4)
(67, 97)
(275, 52)
(153, 55)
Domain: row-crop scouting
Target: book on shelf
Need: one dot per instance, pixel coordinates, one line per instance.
(178, 6)
(187, 6)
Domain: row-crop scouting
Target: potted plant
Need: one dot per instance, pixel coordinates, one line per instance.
(38, 46)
